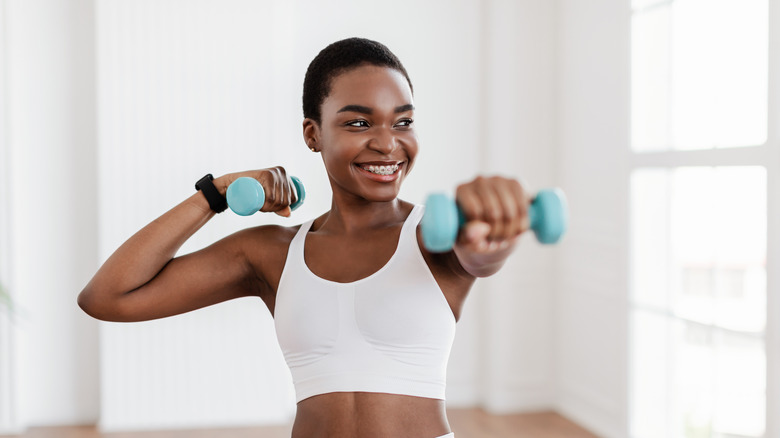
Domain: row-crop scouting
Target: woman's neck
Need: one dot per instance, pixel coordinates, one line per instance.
(359, 216)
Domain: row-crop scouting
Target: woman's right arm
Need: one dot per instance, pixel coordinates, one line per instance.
(142, 280)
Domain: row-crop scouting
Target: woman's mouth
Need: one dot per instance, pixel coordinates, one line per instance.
(381, 172)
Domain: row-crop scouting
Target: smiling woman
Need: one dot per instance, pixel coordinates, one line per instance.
(364, 314)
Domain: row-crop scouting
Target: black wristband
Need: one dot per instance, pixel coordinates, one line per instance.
(217, 202)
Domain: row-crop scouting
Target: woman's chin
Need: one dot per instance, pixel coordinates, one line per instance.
(382, 197)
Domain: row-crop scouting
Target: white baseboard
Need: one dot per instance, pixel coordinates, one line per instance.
(592, 411)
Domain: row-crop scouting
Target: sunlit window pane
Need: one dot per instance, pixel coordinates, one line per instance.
(699, 244)
(741, 381)
(642, 4)
(699, 74)
(693, 390)
(718, 246)
(650, 79)
(650, 237)
(695, 381)
(698, 237)
(650, 375)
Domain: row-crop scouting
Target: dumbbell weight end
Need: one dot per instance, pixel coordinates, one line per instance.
(549, 216)
(441, 222)
(246, 196)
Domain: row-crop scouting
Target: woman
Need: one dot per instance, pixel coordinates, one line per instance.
(364, 314)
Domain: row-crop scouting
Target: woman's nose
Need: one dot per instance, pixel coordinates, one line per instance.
(385, 142)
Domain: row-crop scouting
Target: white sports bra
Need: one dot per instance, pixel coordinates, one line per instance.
(390, 332)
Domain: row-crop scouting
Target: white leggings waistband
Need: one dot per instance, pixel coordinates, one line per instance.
(449, 435)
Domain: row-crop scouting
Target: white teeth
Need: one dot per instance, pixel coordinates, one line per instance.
(382, 170)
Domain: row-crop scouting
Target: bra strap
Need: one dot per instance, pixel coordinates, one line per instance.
(409, 229)
(296, 246)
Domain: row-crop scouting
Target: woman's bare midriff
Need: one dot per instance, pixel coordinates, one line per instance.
(363, 414)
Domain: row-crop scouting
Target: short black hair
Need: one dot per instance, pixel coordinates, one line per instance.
(337, 58)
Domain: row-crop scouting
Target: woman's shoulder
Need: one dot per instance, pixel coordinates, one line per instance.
(265, 248)
(267, 236)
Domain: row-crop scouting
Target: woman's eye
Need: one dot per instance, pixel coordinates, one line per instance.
(405, 123)
(358, 124)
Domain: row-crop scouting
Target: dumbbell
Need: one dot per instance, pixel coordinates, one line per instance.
(548, 213)
(246, 196)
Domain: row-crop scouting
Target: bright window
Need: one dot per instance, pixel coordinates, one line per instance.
(699, 74)
(698, 300)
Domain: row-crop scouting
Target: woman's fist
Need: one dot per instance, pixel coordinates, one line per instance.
(279, 190)
(496, 212)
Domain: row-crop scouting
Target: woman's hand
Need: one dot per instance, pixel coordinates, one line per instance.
(279, 189)
(496, 212)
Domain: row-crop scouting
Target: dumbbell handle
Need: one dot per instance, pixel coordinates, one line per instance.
(548, 214)
(246, 196)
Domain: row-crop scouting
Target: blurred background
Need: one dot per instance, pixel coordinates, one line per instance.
(654, 317)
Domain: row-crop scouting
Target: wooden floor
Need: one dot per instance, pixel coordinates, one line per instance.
(466, 423)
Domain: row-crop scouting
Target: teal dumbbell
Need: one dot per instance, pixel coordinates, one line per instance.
(549, 215)
(245, 195)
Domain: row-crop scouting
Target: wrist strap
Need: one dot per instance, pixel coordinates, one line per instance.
(217, 202)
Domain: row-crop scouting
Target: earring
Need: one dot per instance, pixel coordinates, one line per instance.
(312, 149)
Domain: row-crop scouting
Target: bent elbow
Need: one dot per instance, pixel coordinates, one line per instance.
(86, 302)
(89, 302)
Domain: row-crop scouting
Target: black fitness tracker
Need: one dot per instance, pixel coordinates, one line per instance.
(217, 202)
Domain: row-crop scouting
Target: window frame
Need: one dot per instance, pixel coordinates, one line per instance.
(766, 155)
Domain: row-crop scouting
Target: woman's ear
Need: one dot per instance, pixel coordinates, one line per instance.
(311, 134)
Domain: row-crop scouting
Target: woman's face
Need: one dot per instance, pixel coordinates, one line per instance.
(367, 137)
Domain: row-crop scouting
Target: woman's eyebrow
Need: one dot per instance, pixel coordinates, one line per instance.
(356, 109)
(366, 110)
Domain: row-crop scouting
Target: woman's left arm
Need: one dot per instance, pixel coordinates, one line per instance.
(496, 212)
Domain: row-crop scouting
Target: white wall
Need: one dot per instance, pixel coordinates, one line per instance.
(593, 146)
(50, 114)
(7, 414)
(519, 138)
(772, 330)
(188, 87)
(182, 95)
